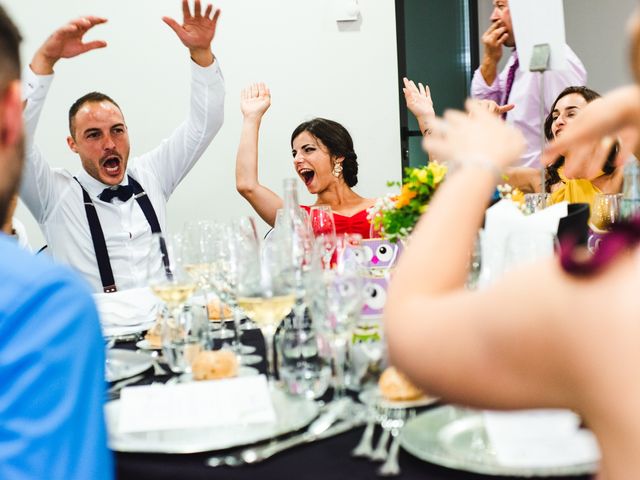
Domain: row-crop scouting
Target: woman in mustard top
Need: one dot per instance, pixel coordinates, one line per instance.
(576, 190)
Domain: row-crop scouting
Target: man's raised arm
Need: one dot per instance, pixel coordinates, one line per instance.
(65, 42)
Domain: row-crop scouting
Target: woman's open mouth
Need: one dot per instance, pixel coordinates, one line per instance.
(306, 175)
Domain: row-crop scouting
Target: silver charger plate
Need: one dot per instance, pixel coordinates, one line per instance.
(123, 363)
(292, 413)
(456, 438)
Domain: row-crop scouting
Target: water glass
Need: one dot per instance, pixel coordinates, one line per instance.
(303, 370)
(183, 337)
(536, 201)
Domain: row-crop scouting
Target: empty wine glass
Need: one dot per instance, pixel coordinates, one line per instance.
(324, 228)
(199, 250)
(227, 274)
(335, 298)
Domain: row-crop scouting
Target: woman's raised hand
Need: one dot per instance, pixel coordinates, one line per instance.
(255, 100)
(480, 135)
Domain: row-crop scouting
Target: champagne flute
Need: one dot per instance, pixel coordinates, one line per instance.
(324, 227)
(266, 291)
(182, 334)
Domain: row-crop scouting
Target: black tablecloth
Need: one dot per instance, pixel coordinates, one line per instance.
(326, 459)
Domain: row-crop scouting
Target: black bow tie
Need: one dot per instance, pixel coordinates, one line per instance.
(123, 192)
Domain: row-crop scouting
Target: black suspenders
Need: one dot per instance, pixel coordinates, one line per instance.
(97, 235)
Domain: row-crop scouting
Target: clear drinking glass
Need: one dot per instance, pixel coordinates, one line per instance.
(335, 299)
(265, 287)
(536, 201)
(182, 333)
(302, 369)
(199, 252)
(232, 235)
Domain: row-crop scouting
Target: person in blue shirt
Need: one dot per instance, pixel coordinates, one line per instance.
(52, 384)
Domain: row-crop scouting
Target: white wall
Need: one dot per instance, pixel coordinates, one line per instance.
(313, 68)
(596, 31)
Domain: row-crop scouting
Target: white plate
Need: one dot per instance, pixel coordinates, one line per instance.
(124, 364)
(292, 413)
(373, 396)
(146, 345)
(456, 438)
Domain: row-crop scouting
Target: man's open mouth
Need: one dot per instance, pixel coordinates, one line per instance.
(112, 165)
(307, 175)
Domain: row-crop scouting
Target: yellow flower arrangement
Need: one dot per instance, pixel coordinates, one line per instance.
(394, 216)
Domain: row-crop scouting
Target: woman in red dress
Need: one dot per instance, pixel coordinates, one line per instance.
(323, 158)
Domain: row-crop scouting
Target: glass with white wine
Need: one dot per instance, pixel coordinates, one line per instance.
(182, 332)
(265, 288)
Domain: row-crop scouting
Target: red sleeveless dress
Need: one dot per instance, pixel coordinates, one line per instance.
(356, 223)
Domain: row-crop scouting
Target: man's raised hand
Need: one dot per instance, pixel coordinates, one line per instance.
(197, 30)
(66, 42)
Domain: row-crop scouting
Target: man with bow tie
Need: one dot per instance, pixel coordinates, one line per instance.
(517, 86)
(101, 219)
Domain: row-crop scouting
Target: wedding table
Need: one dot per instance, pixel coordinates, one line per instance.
(325, 459)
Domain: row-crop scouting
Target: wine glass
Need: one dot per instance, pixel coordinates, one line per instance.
(265, 288)
(230, 236)
(324, 227)
(182, 334)
(199, 252)
(335, 298)
(605, 211)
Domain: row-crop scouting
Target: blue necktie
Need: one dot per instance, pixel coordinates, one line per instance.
(123, 192)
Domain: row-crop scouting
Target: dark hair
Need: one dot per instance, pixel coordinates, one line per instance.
(91, 97)
(337, 140)
(10, 39)
(552, 175)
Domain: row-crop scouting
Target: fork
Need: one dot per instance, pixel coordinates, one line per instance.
(391, 467)
(365, 445)
(380, 452)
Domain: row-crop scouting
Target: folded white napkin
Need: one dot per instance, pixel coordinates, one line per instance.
(126, 311)
(510, 237)
(540, 438)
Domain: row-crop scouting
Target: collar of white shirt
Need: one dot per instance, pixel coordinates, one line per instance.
(95, 187)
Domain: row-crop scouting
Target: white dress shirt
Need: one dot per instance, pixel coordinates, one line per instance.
(55, 198)
(525, 95)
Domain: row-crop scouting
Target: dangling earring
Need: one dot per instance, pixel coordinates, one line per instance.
(337, 170)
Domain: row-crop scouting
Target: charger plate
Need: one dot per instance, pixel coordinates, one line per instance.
(123, 363)
(456, 438)
(292, 414)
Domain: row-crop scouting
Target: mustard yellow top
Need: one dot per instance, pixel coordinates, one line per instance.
(574, 190)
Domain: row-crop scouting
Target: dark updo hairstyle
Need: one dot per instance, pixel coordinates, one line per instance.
(337, 140)
(589, 95)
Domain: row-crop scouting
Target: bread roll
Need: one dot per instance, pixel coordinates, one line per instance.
(208, 365)
(395, 386)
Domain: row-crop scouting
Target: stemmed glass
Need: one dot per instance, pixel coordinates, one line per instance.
(605, 211)
(335, 298)
(265, 287)
(199, 252)
(324, 228)
(181, 332)
(232, 235)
